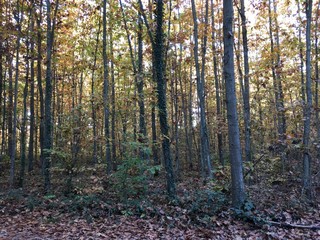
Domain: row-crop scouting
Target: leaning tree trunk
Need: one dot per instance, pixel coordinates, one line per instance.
(238, 193)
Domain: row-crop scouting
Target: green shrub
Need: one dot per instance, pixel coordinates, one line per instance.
(131, 179)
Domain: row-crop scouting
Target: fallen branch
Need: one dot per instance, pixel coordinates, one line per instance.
(288, 225)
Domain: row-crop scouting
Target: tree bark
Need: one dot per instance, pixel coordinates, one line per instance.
(19, 18)
(246, 89)
(238, 192)
(277, 82)
(48, 124)
(217, 89)
(162, 105)
(317, 79)
(93, 99)
(206, 167)
(307, 108)
(32, 112)
(40, 88)
(106, 89)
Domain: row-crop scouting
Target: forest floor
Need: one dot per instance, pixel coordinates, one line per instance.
(99, 208)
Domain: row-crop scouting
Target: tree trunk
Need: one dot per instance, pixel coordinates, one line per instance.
(238, 192)
(206, 167)
(307, 108)
(162, 105)
(40, 88)
(48, 98)
(317, 79)
(19, 18)
(113, 109)
(277, 82)
(106, 89)
(93, 100)
(24, 115)
(140, 83)
(303, 95)
(216, 83)
(246, 89)
(32, 112)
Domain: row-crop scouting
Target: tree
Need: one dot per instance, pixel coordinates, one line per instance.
(158, 62)
(246, 89)
(317, 77)
(204, 138)
(93, 98)
(106, 88)
(39, 82)
(277, 82)
(48, 124)
(307, 108)
(216, 84)
(19, 18)
(32, 92)
(238, 192)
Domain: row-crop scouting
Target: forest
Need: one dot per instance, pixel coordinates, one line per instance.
(164, 119)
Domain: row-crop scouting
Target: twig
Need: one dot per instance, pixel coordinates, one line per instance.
(254, 165)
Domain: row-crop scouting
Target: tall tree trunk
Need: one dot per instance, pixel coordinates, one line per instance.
(303, 95)
(19, 18)
(206, 167)
(162, 105)
(188, 149)
(40, 88)
(238, 192)
(32, 112)
(155, 154)
(307, 108)
(140, 83)
(317, 78)
(106, 89)
(24, 115)
(3, 114)
(216, 83)
(113, 108)
(1, 84)
(93, 99)
(277, 82)
(48, 97)
(246, 89)
(10, 103)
